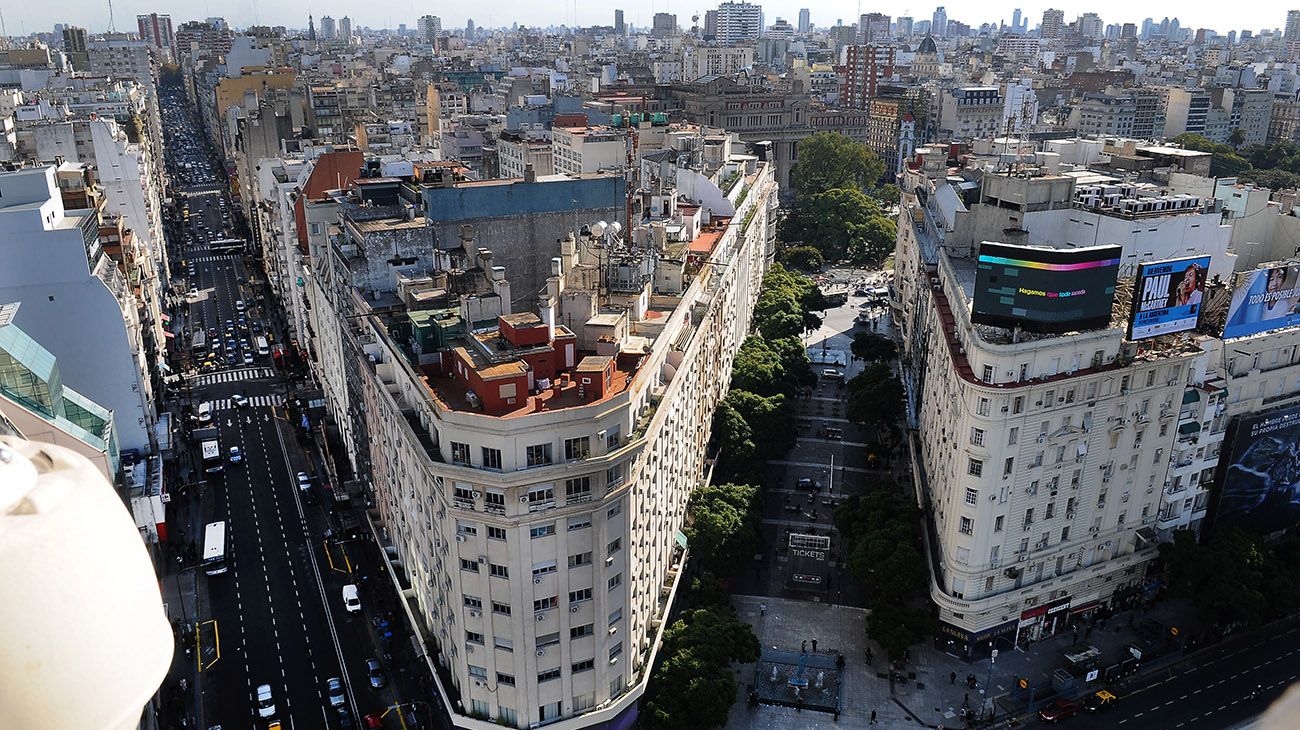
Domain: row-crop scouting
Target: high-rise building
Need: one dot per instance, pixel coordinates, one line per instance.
(1015, 21)
(873, 28)
(620, 28)
(345, 29)
(198, 35)
(939, 22)
(1128, 31)
(75, 39)
(739, 22)
(428, 27)
(1292, 30)
(156, 30)
(664, 25)
(865, 68)
(1053, 23)
(328, 31)
(904, 26)
(1089, 26)
(710, 24)
(805, 20)
(469, 30)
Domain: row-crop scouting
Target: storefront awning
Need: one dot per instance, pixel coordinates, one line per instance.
(1189, 428)
(1191, 395)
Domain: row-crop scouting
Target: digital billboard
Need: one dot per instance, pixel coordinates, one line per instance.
(1045, 289)
(1264, 300)
(1259, 482)
(1167, 297)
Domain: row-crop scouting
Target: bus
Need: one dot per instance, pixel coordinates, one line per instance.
(200, 344)
(214, 548)
(263, 348)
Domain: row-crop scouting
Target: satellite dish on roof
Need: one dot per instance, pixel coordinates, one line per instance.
(598, 228)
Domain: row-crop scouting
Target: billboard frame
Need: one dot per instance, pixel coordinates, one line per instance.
(1202, 261)
(1066, 261)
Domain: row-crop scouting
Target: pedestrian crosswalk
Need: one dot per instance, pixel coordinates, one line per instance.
(210, 259)
(254, 401)
(233, 376)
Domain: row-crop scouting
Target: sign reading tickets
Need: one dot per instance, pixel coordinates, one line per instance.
(1264, 300)
(1168, 296)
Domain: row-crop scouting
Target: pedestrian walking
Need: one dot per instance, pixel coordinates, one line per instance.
(952, 678)
(814, 646)
(873, 717)
(803, 647)
(762, 609)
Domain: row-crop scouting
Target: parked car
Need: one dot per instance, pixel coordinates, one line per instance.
(334, 691)
(376, 673)
(351, 600)
(1059, 710)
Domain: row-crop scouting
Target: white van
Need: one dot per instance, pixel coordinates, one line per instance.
(205, 412)
(350, 599)
(263, 348)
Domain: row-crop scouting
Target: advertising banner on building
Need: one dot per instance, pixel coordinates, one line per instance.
(1259, 472)
(1264, 300)
(1045, 289)
(1167, 297)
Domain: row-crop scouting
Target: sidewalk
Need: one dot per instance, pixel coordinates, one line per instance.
(931, 695)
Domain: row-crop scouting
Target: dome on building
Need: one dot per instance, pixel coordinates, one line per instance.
(927, 45)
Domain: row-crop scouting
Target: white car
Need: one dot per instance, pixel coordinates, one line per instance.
(240, 400)
(304, 481)
(351, 601)
(265, 702)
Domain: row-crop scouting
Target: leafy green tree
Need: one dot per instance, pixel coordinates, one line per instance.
(875, 398)
(770, 419)
(1274, 179)
(1237, 137)
(734, 441)
(693, 687)
(757, 367)
(1224, 160)
(844, 224)
(723, 531)
(830, 160)
(871, 346)
(1223, 578)
(804, 258)
(888, 194)
(796, 369)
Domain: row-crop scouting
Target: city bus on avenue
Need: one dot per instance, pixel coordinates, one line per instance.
(214, 548)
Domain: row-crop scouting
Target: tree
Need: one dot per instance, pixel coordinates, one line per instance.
(1237, 138)
(723, 531)
(770, 419)
(734, 441)
(757, 367)
(693, 687)
(829, 160)
(875, 398)
(1234, 576)
(804, 258)
(889, 193)
(844, 224)
(871, 346)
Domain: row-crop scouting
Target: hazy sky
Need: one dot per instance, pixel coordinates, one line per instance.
(27, 17)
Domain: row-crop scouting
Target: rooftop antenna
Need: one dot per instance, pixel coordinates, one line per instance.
(112, 27)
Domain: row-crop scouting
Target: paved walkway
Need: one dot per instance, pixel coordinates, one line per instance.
(931, 696)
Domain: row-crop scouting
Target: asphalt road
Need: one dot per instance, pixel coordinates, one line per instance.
(1211, 692)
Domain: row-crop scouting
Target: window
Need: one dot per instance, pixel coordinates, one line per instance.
(577, 632)
(551, 639)
(982, 407)
(1029, 517)
(583, 666)
(612, 437)
(544, 568)
(507, 716)
(1018, 404)
(1008, 466)
(478, 672)
(494, 501)
(491, 458)
(466, 528)
(469, 565)
(548, 675)
(997, 523)
(614, 476)
(504, 644)
(971, 496)
(614, 546)
(540, 497)
(498, 571)
(977, 436)
(577, 448)
(501, 608)
(473, 601)
(975, 467)
(614, 511)
(539, 455)
(615, 651)
(582, 703)
(577, 490)
(966, 526)
(615, 616)
(546, 530)
(579, 559)
(1013, 435)
(988, 374)
(463, 493)
(496, 533)
(615, 581)
(543, 604)
(581, 522)
(473, 637)
(506, 679)
(460, 453)
(579, 596)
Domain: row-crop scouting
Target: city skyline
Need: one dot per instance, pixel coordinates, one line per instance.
(94, 16)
